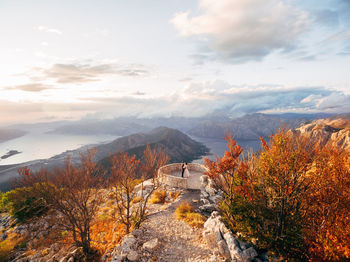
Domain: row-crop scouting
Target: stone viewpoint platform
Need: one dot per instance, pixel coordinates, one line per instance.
(171, 175)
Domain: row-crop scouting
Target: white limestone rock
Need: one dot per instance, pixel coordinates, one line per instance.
(208, 208)
(127, 243)
(151, 245)
(211, 191)
(133, 256)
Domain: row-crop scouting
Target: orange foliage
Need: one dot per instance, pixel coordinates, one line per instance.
(293, 196)
(328, 215)
(229, 172)
(106, 234)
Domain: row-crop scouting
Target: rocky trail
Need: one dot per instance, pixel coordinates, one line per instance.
(162, 237)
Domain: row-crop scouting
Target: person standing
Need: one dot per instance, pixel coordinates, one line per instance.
(183, 167)
(187, 173)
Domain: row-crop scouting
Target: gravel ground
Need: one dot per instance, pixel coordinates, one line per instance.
(178, 241)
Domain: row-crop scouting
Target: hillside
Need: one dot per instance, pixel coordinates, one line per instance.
(8, 134)
(176, 144)
(331, 131)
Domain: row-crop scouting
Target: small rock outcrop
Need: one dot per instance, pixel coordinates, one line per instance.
(210, 196)
(217, 235)
(334, 132)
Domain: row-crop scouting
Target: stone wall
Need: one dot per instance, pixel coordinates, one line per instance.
(170, 174)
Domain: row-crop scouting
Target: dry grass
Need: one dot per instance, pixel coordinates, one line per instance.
(137, 199)
(183, 209)
(158, 197)
(174, 195)
(8, 245)
(195, 219)
(106, 234)
(185, 212)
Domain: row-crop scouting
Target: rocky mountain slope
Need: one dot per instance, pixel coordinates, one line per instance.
(331, 131)
(176, 144)
(248, 127)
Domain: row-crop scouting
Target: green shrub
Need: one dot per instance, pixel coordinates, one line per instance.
(22, 203)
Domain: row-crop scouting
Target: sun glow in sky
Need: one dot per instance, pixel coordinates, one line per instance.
(71, 59)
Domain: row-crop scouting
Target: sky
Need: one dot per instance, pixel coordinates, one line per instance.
(67, 60)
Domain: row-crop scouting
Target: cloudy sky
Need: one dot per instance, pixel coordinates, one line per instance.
(68, 59)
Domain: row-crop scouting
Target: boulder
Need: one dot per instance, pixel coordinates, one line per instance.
(209, 208)
(151, 245)
(216, 199)
(217, 235)
(211, 191)
(147, 185)
(209, 238)
(205, 201)
(127, 243)
(204, 180)
(204, 194)
(223, 249)
(249, 254)
(133, 256)
(118, 258)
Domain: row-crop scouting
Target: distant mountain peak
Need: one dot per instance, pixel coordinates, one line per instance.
(179, 146)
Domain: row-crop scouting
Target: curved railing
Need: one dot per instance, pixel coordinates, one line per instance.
(171, 175)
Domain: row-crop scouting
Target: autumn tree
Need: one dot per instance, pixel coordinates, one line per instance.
(126, 173)
(228, 172)
(264, 193)
(72, 192)
(283, 167)
(327, 220)
(152, 160)
(123, 181)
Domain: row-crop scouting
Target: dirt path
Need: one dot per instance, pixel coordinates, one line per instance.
(178, 241)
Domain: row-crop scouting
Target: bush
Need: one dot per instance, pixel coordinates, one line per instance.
(182, 209)
(8, 245)
(23, 204)
(158, 197)
(264, 194)
(185, 212)
(195, 219)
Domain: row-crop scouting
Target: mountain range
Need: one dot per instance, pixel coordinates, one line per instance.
(247, 127)
(176, 144)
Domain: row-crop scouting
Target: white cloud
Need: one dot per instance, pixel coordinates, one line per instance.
(32, 87)
(86, 72)
(197, 99)
(49, 30)
(242, 30)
